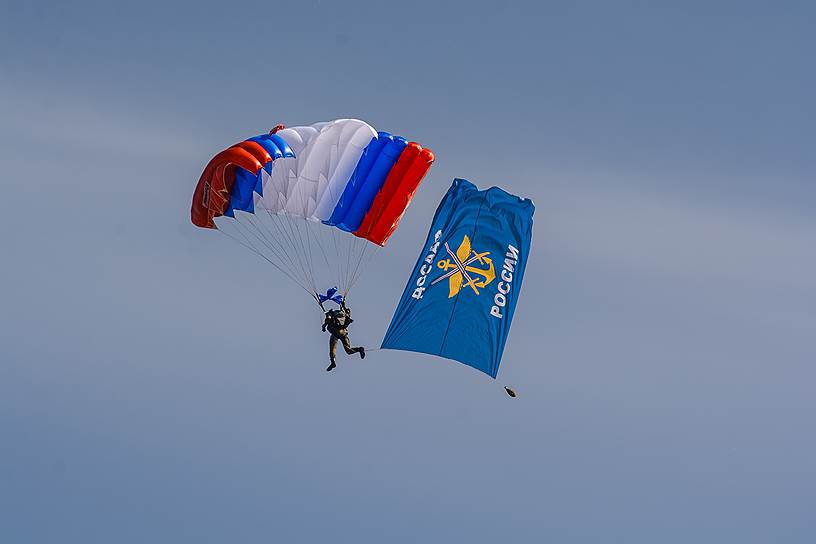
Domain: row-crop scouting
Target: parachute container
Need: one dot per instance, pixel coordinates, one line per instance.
(462, 293)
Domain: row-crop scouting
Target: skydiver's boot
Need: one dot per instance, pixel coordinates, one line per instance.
(331, 367)
(362, 352)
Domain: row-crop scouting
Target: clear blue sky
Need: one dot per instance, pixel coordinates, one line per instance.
(663, 350)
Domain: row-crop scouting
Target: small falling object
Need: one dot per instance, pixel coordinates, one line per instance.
(510, 391)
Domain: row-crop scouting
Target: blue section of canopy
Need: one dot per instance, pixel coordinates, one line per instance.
(259, 179)
(274, 145)
(241, 196)
(282, 145)
(462, 293)
(374, 181)
(271, 147)
(370, 155)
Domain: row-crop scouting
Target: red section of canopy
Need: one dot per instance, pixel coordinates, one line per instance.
(388, 190)
(212, 193)
(396, 193)
(256, 150)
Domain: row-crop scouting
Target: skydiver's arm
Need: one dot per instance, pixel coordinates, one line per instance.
(325, 322)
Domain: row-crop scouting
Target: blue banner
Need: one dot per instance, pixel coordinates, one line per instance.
(460, 298)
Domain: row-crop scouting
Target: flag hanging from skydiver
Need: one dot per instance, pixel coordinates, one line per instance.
(460, 298)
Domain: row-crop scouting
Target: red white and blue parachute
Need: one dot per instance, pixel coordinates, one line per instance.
(295, 195)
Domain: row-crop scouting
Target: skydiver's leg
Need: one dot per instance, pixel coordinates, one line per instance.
(350, 350)
(332, 352)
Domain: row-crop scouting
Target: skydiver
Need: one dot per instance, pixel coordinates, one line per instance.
(337, 322)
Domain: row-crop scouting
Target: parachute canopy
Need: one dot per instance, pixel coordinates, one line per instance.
(342, 173)
(460, 298)
(296, 196)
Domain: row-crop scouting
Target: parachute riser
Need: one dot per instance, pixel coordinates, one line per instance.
(317, 299)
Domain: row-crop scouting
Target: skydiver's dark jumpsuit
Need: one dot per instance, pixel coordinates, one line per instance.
(337, 322)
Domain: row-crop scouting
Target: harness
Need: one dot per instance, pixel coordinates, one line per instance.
(337, 321)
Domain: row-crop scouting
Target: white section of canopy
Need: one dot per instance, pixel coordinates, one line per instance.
(310, 184)
(276, 186)
(352, 140)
